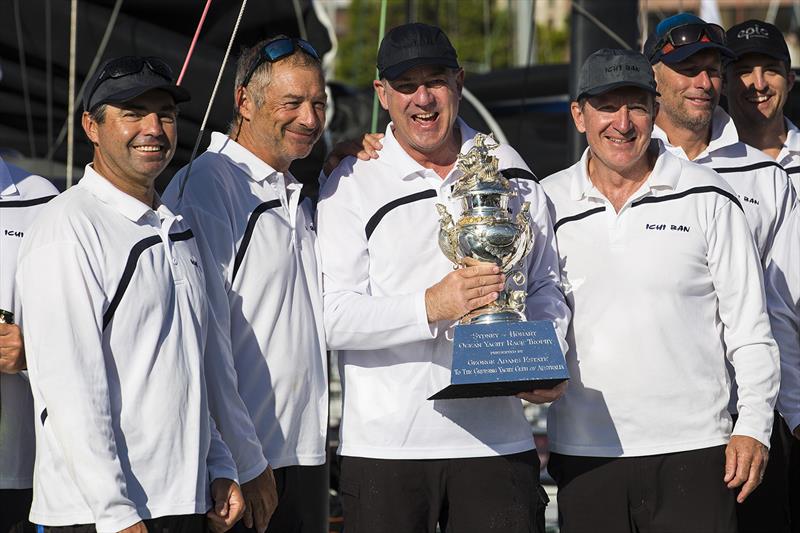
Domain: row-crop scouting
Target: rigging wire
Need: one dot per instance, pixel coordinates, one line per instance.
(194, 42)
(101, 48)
(374, 126)
(211, 101)
(73, 27)
(24, 72)
(48, 50)
(301, 24)
(594, 20)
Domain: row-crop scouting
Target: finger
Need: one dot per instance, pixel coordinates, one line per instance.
(743, 460)
(471, 263)
(215, 523)
(480, 292)
(753, 481)
(260, 515)
(221, 507)
(247, 517)
(730, 463)
(475, 303)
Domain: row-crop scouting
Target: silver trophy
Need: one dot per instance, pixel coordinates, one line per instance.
(487, 231)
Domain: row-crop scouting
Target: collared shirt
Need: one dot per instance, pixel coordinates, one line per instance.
(22, 195)
(663, 291)
(114, 316)
(789, 156)
(257, 238)
(783, 300)
(762, 186)
(379, 228)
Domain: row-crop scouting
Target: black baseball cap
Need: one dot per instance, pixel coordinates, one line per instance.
(412, 45)
(680, 36)
(124, 78)
(757, 37)
(608, 69)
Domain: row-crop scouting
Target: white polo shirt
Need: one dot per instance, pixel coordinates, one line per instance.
(783, 301)
(378, 228)
(762, 186)
(663, 292)
(789, 156)
(256, 235)
(115, 317)
(22, 195)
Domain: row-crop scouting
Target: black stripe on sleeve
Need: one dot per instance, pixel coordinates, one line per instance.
(43, 416)
(746, 168)
(182, 236)
(380, 213)
(687, 192)
(793, 170)
(519, 174)
(27, 203)
(248, 233)
(579, 216)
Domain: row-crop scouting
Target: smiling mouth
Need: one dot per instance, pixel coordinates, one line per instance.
(425, 117)
(149, 148)
(758, 99)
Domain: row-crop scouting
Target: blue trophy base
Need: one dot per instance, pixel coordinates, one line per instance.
(503, 359)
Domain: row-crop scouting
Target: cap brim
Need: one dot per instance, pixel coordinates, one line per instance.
(179, 94)
(596, 91)
(395, 71)
(684, 52)
(744, 50)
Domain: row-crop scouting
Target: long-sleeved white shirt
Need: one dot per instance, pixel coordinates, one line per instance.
(783, 301)
(663, 292)
(114, 314)
(22, 195)
(256, 237)
(789, 156)
(761, 184)
(378, 228)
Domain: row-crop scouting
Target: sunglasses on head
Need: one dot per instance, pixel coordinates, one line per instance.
(126, 66)
(278, 49)
(689, 34)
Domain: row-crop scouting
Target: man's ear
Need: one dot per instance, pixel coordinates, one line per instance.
(577, 116)
(244, 104)
(460, 81)
(380, 89)
(89, 127)
(791, 77)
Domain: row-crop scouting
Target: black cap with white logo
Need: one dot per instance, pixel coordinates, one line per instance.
(608, 69)
(758, 37)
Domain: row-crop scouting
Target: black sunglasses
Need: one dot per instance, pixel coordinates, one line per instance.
(126, 66)
(278, 49)
(689, 34)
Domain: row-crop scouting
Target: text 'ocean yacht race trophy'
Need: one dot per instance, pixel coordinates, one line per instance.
(496, 352)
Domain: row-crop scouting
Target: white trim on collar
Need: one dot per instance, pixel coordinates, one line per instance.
(109, 194)
(252, 165)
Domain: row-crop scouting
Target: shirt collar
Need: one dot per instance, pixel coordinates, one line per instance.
(110, 195)
(252, 165)
(7, 186)
(792, 143)
(405, 165)
(665, 174)
(723, 134)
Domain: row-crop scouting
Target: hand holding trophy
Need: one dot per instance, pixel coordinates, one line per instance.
(496, 351)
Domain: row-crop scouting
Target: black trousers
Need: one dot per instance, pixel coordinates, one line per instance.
(191, 523)
(15, 506)
(475, 495)
(671, 493)
(767, 508)
(303, 498)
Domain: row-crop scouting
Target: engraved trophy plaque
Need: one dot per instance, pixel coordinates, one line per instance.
(496, 351)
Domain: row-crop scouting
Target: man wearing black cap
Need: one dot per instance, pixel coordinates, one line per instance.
(758, 84)
(115, 316)
(759, 81)
(391, 298)
(664, 280)
(686, 54)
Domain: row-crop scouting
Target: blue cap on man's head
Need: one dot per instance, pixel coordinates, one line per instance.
(681, 36)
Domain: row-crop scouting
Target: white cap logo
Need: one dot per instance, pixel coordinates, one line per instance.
(753, 31)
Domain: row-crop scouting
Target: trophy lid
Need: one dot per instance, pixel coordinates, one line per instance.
(481, 174)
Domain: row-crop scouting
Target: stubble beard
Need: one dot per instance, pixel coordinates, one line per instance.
(681, 118)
